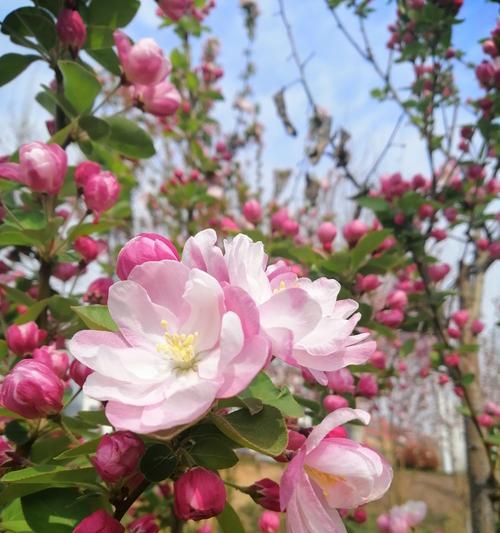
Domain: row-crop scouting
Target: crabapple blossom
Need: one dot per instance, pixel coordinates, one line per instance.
(269, 522)
(266, 493)
(252, 211)
(332, 402)
(24, 338)
(71, 28)
(161, 99)
(99, 522)
(101, 191)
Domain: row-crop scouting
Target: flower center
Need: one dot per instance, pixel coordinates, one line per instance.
(324, 480)
(179, 347)
(281, 287)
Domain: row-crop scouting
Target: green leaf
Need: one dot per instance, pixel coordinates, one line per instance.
(96, 317)
(11, 65)
(213, 453)
(265, 390)
(112, 13)
(107, 58)
(128, 138)
(45, 448)
(12, 518)
(467, 379)
(58, 510)
(89, 229)
(33, 312)
(264, 432)
(96, 128)
(229, 521)
(374, 203)
(12, 237)
(337, 263)
(30, 22)
(84, 449)
(99, 37)
(17, 295)
(80, 85)
(158, 463)
(366, 245)
(4, 350)
(407, 347)
(17, 431)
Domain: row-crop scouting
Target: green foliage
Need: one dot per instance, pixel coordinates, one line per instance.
(11, 65)
(27, 22)
(128, 138)
(96, 317)
(229, 521)
(112, 13)
(213, 453)
(158, 463)
(81, 86)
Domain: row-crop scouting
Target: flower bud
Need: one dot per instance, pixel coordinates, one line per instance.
(84, 170)
(101, 192)
(460, 317)
(56, 360)
(359, 515)
(378, 359)
(23, 339)
(269, 522)
(477, 326)
(278, 219)
(143, 63)
(97, 292)
(341, 381)
(326, 232)
(161, 100)
(354, 230)
(78, 372)
(290, 227)
(32, 390)
(145, 247)
(144, 524)
(339, 432)
(438, 272)
(485, 73)
(391, 318)
(118, 455)
(485, 420)
(367, 386)
(266, 493)
(367, 283)
(41, 167)
(71, 29)
(492, 408)
(443, 379)
(331, 402)
(66, 271)
(205, 528)
(87, 247)
(397, 299)
(199, 493)
(452, 359)
(425, 211)
(252, 211)
(99, 522)
(384, 524)
(175, 9)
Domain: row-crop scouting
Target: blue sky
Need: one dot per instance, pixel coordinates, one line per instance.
(339, 79)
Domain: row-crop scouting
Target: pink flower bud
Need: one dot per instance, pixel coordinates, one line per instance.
(84, 170)
(252, 211)
(66, 271)
(145, 247)
(485, 420)
(97, 292)
(290, 227)
(266, 493)
(485, 73)
(367, 386)
(450, 214)
(378, 359)
(332, 402)
(6, 453)
(101, 192)
(367, 283)
(326, 232)
(339, 432)
(228, 224)
(161, 100)
(399, 219)
(78, 372)
(424, 372)
(118, 455)
(205, 528)
(144, 62)
(41, 167)
(269, 522)
(452, 359)
(425, 211)
(175, 9)
(454, 333)
(477, 326)
(359, 515)
(144, 524)
(87, 247)
(490, 48)
(32, 390)
(23, 339)
(397, 299)
(99, 522)
(341, 381)
(56, 360)
(279, 218)
(492, 409)
(354, 230)
(384, 524)
(438, 272)
(199, 493)
(439, 234)
(443, 379)
(494, 250)
(391, 318)
(460, 317)
(71, 29)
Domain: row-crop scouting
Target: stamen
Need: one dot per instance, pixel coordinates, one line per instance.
(179, 347)
(323, 479)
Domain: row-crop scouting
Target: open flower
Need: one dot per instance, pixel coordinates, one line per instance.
(330, 473)
(305, 323)
(183, 341)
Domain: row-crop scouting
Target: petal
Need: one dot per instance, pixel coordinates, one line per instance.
(281, 340)
(201, 252)
(12, 171)
(290, 478)
(242, 304)
(331, 421)
(323, 290)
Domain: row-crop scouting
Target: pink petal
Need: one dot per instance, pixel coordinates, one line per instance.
(12, 171)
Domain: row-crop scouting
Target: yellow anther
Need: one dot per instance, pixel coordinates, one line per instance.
(178, 346)
(325, 480)
(281, 287)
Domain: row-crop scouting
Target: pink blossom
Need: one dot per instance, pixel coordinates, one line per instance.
(175, 9)
(367, 283)
(101, 191)
(367, 386)
(378, 359)
(161, 100)
(331, 473)
(56, 360)
(305, 323)
(485, 420)
(269, 522)
(183, 341)
(290, 227)
(278, 219)
(65, 271)
(485, 73)
(326, 232)
(492, 409)
(460, 317)
(145, 524)
(402, 518)
(360, 515)
(266, 493)
(41, 167)
(205, 528)
(97, 292)
(84, 170)
(391, 318)
(118, 456)
(71, 28)
(452, 359)
(252, 211)
(23, 339)
(141, 249)
(78, 372)
(477, 326)
(341, 381)
(87, 247)
(438, 272)
(143, 63)
(397, 299)
(199, 494)
(32, 390)
(354, 230)
(99, 522)
(332, 402)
